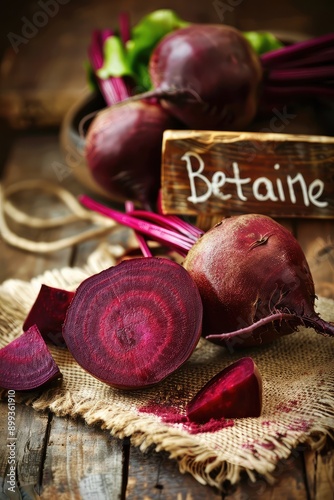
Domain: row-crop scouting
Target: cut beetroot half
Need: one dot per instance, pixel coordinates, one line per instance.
(26, 362)
(235, 392)
(48, 313)
(133, 324)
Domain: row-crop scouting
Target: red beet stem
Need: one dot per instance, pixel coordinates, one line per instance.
(291, 75)
(297, 50)
(129, 208)
(300, 70)
(113, 89)
(124, 26)
(174, 240)
(183, 226)
(320, 58)
(169, 222)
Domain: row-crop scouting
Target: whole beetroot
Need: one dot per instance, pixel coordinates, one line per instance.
(210, 76)
(254, 281)
(123, 150)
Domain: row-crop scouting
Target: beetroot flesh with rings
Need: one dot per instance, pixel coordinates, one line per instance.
(123, 149)
(235, 392)
(254, 281)
(133, 324)
(26, 362)
(210, 76)
(48, 313)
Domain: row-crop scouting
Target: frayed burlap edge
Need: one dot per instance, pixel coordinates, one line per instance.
(206, 466)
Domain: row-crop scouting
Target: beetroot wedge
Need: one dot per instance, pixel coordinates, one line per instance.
(133, 324)
(235, 392)
(26, 362)
(48, 313)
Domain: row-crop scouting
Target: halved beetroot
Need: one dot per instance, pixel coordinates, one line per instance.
(48, 313)
(133, 324)
(235, 392)
(26, 362)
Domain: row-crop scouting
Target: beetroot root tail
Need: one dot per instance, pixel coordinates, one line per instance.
(320, 326)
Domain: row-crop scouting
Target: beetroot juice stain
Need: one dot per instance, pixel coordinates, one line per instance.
(288, 406)
(170, 415)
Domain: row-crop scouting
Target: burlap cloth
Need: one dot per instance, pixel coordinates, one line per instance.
(298, 399)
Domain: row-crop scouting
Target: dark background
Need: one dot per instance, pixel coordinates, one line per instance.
(76, 19)
(308, 16)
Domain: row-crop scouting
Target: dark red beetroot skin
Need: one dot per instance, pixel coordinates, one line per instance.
(235, 392)
(123, 149)
(48, 313)
(218, 70)
(132, 325)
(251, 269)
(26, 363)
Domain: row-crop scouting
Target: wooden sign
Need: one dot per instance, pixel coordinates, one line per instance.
(227, 173)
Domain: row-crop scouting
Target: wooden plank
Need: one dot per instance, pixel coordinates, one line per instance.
(227, 173)
(320, 474)
(37, 156)
(289, 482)
(154, 476)
(32, 157)
(85, 461)
(28, 450)
(317, 241)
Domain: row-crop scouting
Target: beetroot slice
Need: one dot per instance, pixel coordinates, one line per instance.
(48, 313)
(26, 362)
(235, 392)
(133, 324)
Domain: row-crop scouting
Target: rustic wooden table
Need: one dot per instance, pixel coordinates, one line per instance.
(65, 458)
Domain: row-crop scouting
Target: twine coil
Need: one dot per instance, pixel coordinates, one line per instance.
(77, 213)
